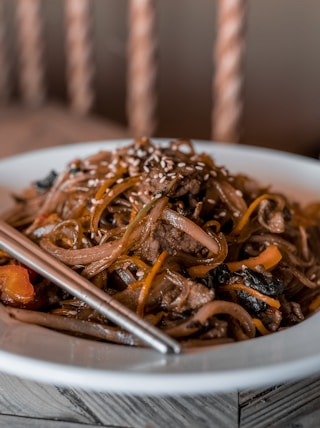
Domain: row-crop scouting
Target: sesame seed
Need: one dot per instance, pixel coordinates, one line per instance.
(181, 164)
(146, 169)
(206, 177)
(163, 164)
(162, 179)
(199, 167)
(93, 182)
(96, 201)
(82, 189)
(211, 201)
(224, 171)
(141, 153)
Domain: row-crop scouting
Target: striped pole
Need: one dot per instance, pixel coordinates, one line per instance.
(80, 69)
(228, 78)
(29, 36)
(142, 68)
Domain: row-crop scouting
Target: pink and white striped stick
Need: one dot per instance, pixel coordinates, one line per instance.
(80, 68)
(228, 79)
(142, 68)
(29, 35)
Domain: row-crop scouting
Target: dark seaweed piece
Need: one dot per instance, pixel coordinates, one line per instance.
(217, 276)
(251, 303)
(46, 183)
(265, 283)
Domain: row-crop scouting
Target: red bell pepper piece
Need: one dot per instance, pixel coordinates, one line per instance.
(15, 283)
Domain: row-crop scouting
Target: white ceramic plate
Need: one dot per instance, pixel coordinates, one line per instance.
(42, 355)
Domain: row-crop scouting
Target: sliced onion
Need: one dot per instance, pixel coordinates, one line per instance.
(81, 256)
(188, 226)
(231, 198)
(193, 324)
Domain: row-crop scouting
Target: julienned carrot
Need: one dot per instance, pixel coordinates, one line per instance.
(268, 258)
(260, 327)
(148, 281)
(109, 182)
(255, 293)
(315, 304)
(245, 218)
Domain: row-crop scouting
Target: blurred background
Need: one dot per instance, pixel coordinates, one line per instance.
(282, 67)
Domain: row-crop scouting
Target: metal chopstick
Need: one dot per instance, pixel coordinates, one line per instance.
(27, 252)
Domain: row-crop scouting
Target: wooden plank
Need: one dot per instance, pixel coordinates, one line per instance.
(281, 406)
(207, 411)
(32, 399)
(27, 399)
(309, 420)
(21, 422)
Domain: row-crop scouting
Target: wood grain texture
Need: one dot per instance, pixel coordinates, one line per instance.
(208, 411)
(20, 399)
(22, 422)
(295, 405)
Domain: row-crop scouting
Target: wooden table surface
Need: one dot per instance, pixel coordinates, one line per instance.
(25, 403)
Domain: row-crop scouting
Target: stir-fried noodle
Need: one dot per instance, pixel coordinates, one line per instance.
(206, 256)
